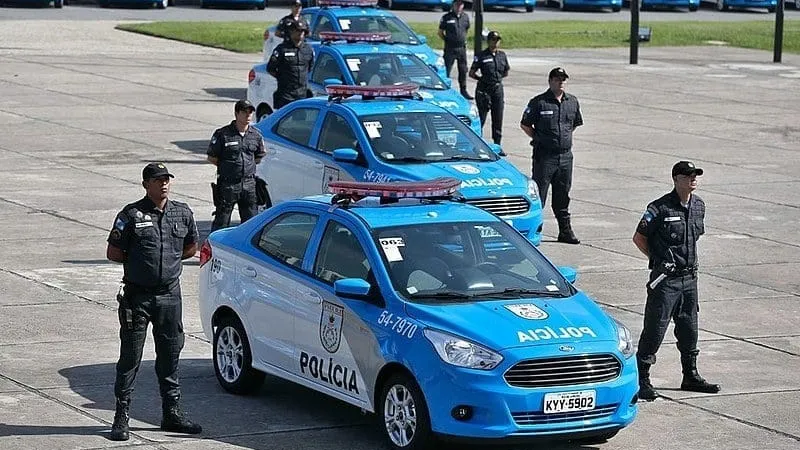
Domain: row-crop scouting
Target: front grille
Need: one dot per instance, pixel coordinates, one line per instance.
(563, 371)
(465, 119)
(502, 206)
(539, 418)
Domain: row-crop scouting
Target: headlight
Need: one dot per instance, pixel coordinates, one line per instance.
(473, 110)
(440, 61)
(624, 340)
(459, 352)
(533, 189)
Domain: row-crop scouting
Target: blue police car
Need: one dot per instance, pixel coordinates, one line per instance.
(691, 5)
(433, 314)
(614, 5)
(725, 5)
(359, 16)
(368, 61)
(529, 5)
(386, 133)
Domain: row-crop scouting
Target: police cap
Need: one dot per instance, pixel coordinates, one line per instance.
(155, 170)
(493, 36)
(243, 105)
(558, 72)
(686, 168)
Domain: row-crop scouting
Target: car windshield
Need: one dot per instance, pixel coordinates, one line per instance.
(466, 262)
(376, 69)
(401, 34)
(423, 137)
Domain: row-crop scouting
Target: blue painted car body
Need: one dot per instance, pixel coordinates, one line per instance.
(770, 5)
(691, 4)
(615, 5)
(404, 330)
(529, 5)
(487, 179)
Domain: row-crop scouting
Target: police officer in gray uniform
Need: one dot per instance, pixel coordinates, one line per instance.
(290, 64)
(667, 235)
(453, 28)
(549, 120)
(236, 149)
(493, 66)
(150, 238)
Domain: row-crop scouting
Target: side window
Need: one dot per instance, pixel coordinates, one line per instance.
(298, 125)
(326, 67)
(286, 237)
(336, 133)
(323, 24)
(340, 255)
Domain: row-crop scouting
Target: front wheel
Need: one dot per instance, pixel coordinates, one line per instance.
(405, 414)
(58, 4)
(162, 4)
(233, 360)
(616, 8)
(692, 8)
(528, 8)
(771, 9)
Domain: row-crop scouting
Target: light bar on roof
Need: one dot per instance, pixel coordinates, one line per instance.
(383, 36)
(347, 2)
(436, 188)
(395, 90)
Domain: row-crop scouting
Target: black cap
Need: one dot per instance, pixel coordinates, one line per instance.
(155, 170)
(243, 105)
(493, 36)
(686, 168)
(457, 2)
(558, 72)
(297, 25)
(297, 3)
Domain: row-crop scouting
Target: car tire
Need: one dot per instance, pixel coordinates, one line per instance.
(58, 4)
(693, 8)
(529, 8)
(721, 5)
(616, 8)
(771, 9)
(411, 403)
(388, 4)
(599, 439)
(162, 4)
(233, 360)
(263, 5)
(171, 3)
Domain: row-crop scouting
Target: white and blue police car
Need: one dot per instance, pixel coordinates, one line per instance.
(433, 314)
(386, 133)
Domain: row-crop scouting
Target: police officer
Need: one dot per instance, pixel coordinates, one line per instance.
(236, 149)
(667, 235)
(493, 65)
(150, 238)
(549, 120)
(453, 29)
(290, 64)
(282, 30)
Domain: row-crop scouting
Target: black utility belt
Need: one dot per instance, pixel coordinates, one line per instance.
(489, 87)
(684, 272)
(233, 180)
(166, 288)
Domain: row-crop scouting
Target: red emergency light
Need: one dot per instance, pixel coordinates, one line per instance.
(395, 90)
(350, 36)
(347, 3)
(444, 187)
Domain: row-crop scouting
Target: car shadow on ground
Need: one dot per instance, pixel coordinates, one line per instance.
(199, 146)
(232, 94)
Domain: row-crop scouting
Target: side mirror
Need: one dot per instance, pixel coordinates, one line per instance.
(569, 273)
(352, 288)
(345, 155)
(332, 82)
(422, 39)
(497, 149)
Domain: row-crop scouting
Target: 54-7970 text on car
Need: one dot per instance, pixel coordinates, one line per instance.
(435, 315)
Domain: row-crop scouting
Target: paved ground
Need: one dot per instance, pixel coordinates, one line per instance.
(79, 120)
(189, 10)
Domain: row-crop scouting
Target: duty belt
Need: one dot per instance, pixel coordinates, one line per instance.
(165, 288)
(685, 271)
(233, 179)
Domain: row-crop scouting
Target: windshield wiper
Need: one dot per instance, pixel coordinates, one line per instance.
(460, 158)
(408, 159)
(447, 295)
(520, 292)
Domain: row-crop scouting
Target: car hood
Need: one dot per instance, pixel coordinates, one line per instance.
(448, 99)
(520, 322)
(478, 179)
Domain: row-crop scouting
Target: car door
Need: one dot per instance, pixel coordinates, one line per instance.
(337, 132)
(325, 67)
(336, 349)
(289, 154)
(272, 286)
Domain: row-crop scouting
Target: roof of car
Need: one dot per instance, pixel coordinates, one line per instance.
(380, 105)
(406, 212)
(347, 11)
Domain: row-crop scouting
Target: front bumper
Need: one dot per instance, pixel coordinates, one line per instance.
(495, 404)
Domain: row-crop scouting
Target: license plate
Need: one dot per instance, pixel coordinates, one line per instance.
(561, 402)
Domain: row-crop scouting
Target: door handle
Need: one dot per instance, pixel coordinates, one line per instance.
(314, 297)
(250, 272)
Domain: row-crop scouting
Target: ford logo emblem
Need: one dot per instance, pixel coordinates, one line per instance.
(566, 348)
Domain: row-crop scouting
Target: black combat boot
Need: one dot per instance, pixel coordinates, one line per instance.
(174, 420)
(119, 429)
(646, 391)
(565, 233)
(692, 381)
(466, 95)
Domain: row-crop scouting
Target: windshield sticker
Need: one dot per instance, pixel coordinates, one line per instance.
(353, 64)
(330, 326)
(551, 288)
(345, 24)
(487, 232)
(401, 326)
(466, 168)
(486, 182)
(373, 129)
(527, 311)
(543, 334)
(391, 248)
(412, 290)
